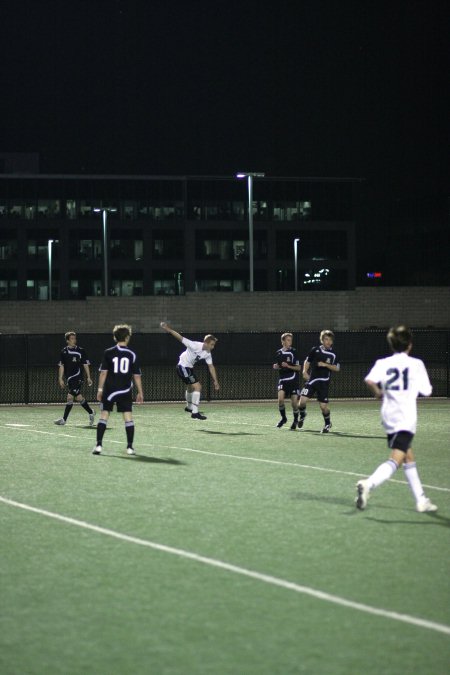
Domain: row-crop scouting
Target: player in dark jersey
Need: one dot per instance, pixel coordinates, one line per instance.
(317, 368)
(118, 370)
(72, 363)
(288, 365)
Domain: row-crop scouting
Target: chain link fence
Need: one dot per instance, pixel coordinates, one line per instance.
(28, 364)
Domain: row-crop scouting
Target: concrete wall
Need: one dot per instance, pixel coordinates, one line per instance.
(362, 308)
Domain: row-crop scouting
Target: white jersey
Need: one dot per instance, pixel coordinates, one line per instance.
(193, 354)
(402, 378)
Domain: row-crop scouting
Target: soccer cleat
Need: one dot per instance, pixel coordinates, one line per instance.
(301, 422)
(198, 416)
(362, 494)
(131, 451)
(281, 422)
(91, 419)
(61, 422)
(294, 425)
(326, 428)
(187, 409)
(425, 505)
(97, 450)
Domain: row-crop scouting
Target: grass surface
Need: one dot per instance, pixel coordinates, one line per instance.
(312, 585)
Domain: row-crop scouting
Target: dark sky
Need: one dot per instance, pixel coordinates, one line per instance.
(307, 87)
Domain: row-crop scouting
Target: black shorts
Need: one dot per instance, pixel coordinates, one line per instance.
(187, 375)
(124, 402)
(290, 387)
(319, 388)
(400, 440)
(75, 388)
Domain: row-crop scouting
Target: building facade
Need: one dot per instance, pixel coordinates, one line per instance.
(168, 235)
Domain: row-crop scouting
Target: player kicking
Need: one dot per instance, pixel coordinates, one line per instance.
(288, 384)
(317, 368)
(195, 352)
(71, 364)
(398, 380)
(118, 369)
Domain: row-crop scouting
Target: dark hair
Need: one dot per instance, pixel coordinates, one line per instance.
(121, 332)
(399, 338)
(68, 334)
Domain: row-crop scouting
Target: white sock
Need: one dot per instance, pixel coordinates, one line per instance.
(189, 399)
(382, 473)
(414, 481)
(195, 396)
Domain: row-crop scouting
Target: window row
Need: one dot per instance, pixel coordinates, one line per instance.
(316, 245)
(133, 210)
(172, 283)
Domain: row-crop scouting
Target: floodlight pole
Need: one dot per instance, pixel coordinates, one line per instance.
(296, 241)
(104, 212)
(49, 247)
(250, 176)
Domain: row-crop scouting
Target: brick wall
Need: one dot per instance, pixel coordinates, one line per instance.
(362, 308)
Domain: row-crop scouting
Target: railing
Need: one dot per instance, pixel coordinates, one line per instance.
(28, 364)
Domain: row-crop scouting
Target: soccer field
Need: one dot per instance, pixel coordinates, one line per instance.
(223, 547)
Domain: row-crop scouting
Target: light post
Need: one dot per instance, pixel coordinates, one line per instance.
(296, 242)
(105, 212)
(49, 248)
(250, 176)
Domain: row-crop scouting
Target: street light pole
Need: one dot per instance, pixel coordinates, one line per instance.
(105, 212)
(49, 246)
(250, 176)
(296, 241)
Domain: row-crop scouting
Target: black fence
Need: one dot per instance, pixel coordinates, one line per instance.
(28, 364)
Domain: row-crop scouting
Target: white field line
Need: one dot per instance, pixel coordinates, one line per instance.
(230, 456)
(265, 578)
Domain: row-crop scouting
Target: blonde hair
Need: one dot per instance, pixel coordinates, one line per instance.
(285, 335)
(326, 333)
(210, 338)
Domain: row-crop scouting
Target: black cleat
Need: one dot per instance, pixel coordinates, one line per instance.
(198, 416)
(326, 428)
(281, 422)
(294, 425)
(300, 423)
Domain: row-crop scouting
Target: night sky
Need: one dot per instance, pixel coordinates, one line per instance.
(290, 88)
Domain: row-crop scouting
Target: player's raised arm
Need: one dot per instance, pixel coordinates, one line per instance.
(170, 330)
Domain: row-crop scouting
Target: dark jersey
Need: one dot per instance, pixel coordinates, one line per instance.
(121, 364)
(73, 359)
(317, 373)
(288, 356)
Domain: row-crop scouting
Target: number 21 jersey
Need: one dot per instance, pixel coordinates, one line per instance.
(402, 378)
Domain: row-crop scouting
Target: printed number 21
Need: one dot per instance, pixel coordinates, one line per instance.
(394, 376)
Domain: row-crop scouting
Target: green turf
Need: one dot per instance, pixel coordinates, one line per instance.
(78, 601)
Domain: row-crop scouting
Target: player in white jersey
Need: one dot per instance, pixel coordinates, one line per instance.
(398, 380)
(195, 352)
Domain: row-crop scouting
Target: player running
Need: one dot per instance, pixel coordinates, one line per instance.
(398, 380)
(317, 368)
(288, 384)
